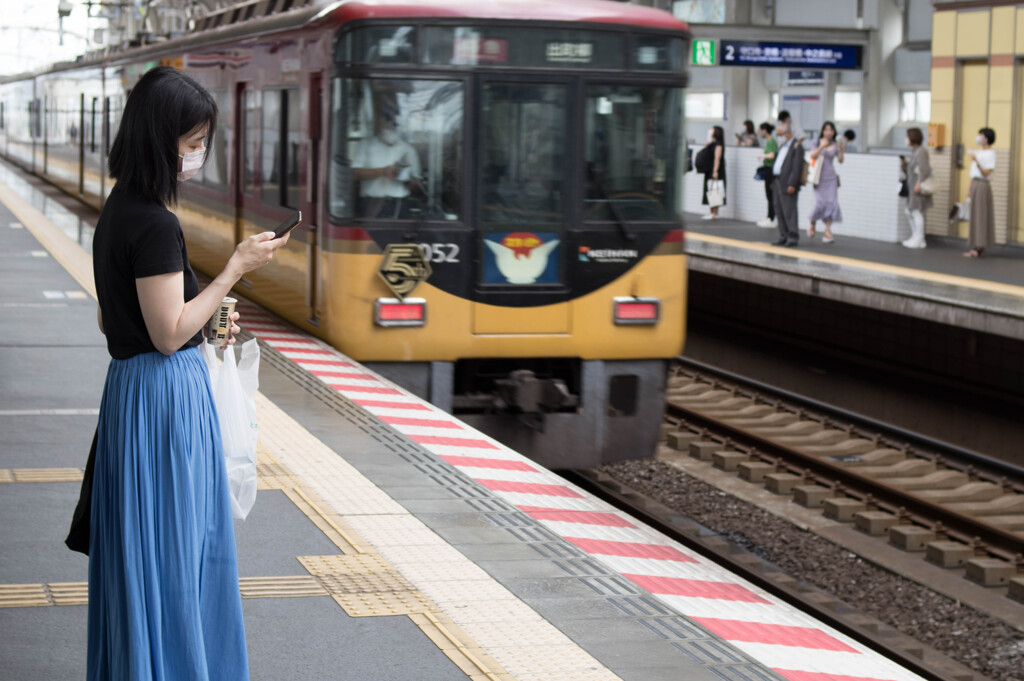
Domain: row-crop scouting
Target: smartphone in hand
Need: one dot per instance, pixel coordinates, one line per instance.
(288, 225)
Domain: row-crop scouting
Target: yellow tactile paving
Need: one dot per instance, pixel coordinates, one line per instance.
(42, 475)
(925, 275)
(469, 600)
(280, 587)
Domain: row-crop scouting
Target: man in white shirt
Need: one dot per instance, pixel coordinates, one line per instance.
(387, 167)
(788, 169)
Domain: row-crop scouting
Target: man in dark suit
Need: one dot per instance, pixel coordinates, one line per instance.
(789, 165)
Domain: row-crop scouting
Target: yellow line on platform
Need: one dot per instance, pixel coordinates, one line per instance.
(65, 250)
(950, 279)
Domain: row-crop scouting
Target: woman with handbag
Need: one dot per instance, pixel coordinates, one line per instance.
(714, 182)
(920, 187)
(163, 575)
(826, 182)
(983, 223)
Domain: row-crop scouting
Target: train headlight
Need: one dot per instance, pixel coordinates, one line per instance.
(400, 312)
(628, 310)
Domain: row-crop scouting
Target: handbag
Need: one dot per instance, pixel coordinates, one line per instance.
(78, 536)
(234, 389)
(928, 186)
(716, 193)
(815, 171)
(761, 173)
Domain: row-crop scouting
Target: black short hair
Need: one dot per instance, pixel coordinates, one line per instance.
(784, 115)
(989, 134)
(767, 127)
(164, 105)
(850, 135)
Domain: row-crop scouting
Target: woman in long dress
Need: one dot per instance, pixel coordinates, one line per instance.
(716, 137)
(983, 216)
(826, 192)
(164, 603)
(919, 168)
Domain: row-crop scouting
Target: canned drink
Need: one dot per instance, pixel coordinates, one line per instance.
(220, 323)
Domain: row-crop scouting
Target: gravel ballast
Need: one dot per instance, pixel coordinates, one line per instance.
(983, 643)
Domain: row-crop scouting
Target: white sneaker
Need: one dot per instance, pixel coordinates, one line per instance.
(910, 243)
(709, 216)
(768, 224)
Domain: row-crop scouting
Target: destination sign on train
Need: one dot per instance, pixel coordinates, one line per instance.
(747, 53)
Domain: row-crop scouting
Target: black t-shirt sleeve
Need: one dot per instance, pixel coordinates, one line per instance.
(157, 246)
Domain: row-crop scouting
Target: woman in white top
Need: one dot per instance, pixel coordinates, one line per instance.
(983, 218)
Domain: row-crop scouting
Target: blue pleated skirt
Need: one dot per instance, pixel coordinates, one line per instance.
(164, 603)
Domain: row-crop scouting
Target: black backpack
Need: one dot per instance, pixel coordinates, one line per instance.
(705, 161)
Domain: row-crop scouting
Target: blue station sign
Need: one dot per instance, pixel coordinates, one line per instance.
(748, 53)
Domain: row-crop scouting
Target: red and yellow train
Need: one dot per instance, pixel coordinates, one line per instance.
(491, 193)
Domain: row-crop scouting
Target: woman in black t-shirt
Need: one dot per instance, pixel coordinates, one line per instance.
(163, 576)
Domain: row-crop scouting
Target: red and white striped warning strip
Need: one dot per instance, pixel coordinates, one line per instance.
(793, 644)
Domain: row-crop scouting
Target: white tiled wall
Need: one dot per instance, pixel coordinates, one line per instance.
(868, 195)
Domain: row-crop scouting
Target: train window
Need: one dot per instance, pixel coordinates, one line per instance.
(381, 44)
(214, 172)
(279, 163)
(523, 156)
(657, 53)
(631, 138)
(248, 142)
(397, 147)
(292, 136)
(502, 46)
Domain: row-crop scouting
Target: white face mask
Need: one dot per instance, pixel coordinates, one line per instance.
(190, 164)
(981, 140)
(389, 137)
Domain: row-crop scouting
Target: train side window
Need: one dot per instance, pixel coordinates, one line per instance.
(248, 141)
(396, 149)
(292, 136)
(214, 172)
(279, 162)
(1, 115)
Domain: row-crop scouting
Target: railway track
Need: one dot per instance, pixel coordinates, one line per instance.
(955, 507)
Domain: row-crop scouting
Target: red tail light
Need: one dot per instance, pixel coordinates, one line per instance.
(395, 312)
(628, 310)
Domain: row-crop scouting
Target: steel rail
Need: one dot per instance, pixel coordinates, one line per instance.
(965, 457)
(997, 540)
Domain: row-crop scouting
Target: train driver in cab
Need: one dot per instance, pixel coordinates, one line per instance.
(386, 166)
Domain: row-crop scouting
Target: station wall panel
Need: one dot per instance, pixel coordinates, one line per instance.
(1003, 30)
(944, 34)
(972, 33)
(936, 219)
(1019, 30)
(943, 82)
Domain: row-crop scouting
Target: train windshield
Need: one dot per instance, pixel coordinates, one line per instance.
(569, 136)
(631, 143)
(397, 149)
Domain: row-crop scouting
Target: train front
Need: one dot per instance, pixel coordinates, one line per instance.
(505, 236)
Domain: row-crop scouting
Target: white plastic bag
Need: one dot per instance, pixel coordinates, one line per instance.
(234, 387)
(716, 193)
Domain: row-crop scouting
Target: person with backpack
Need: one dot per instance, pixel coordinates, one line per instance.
(789, 176)
(711, 162)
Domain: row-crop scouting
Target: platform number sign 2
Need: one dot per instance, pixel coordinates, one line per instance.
(703, 53)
